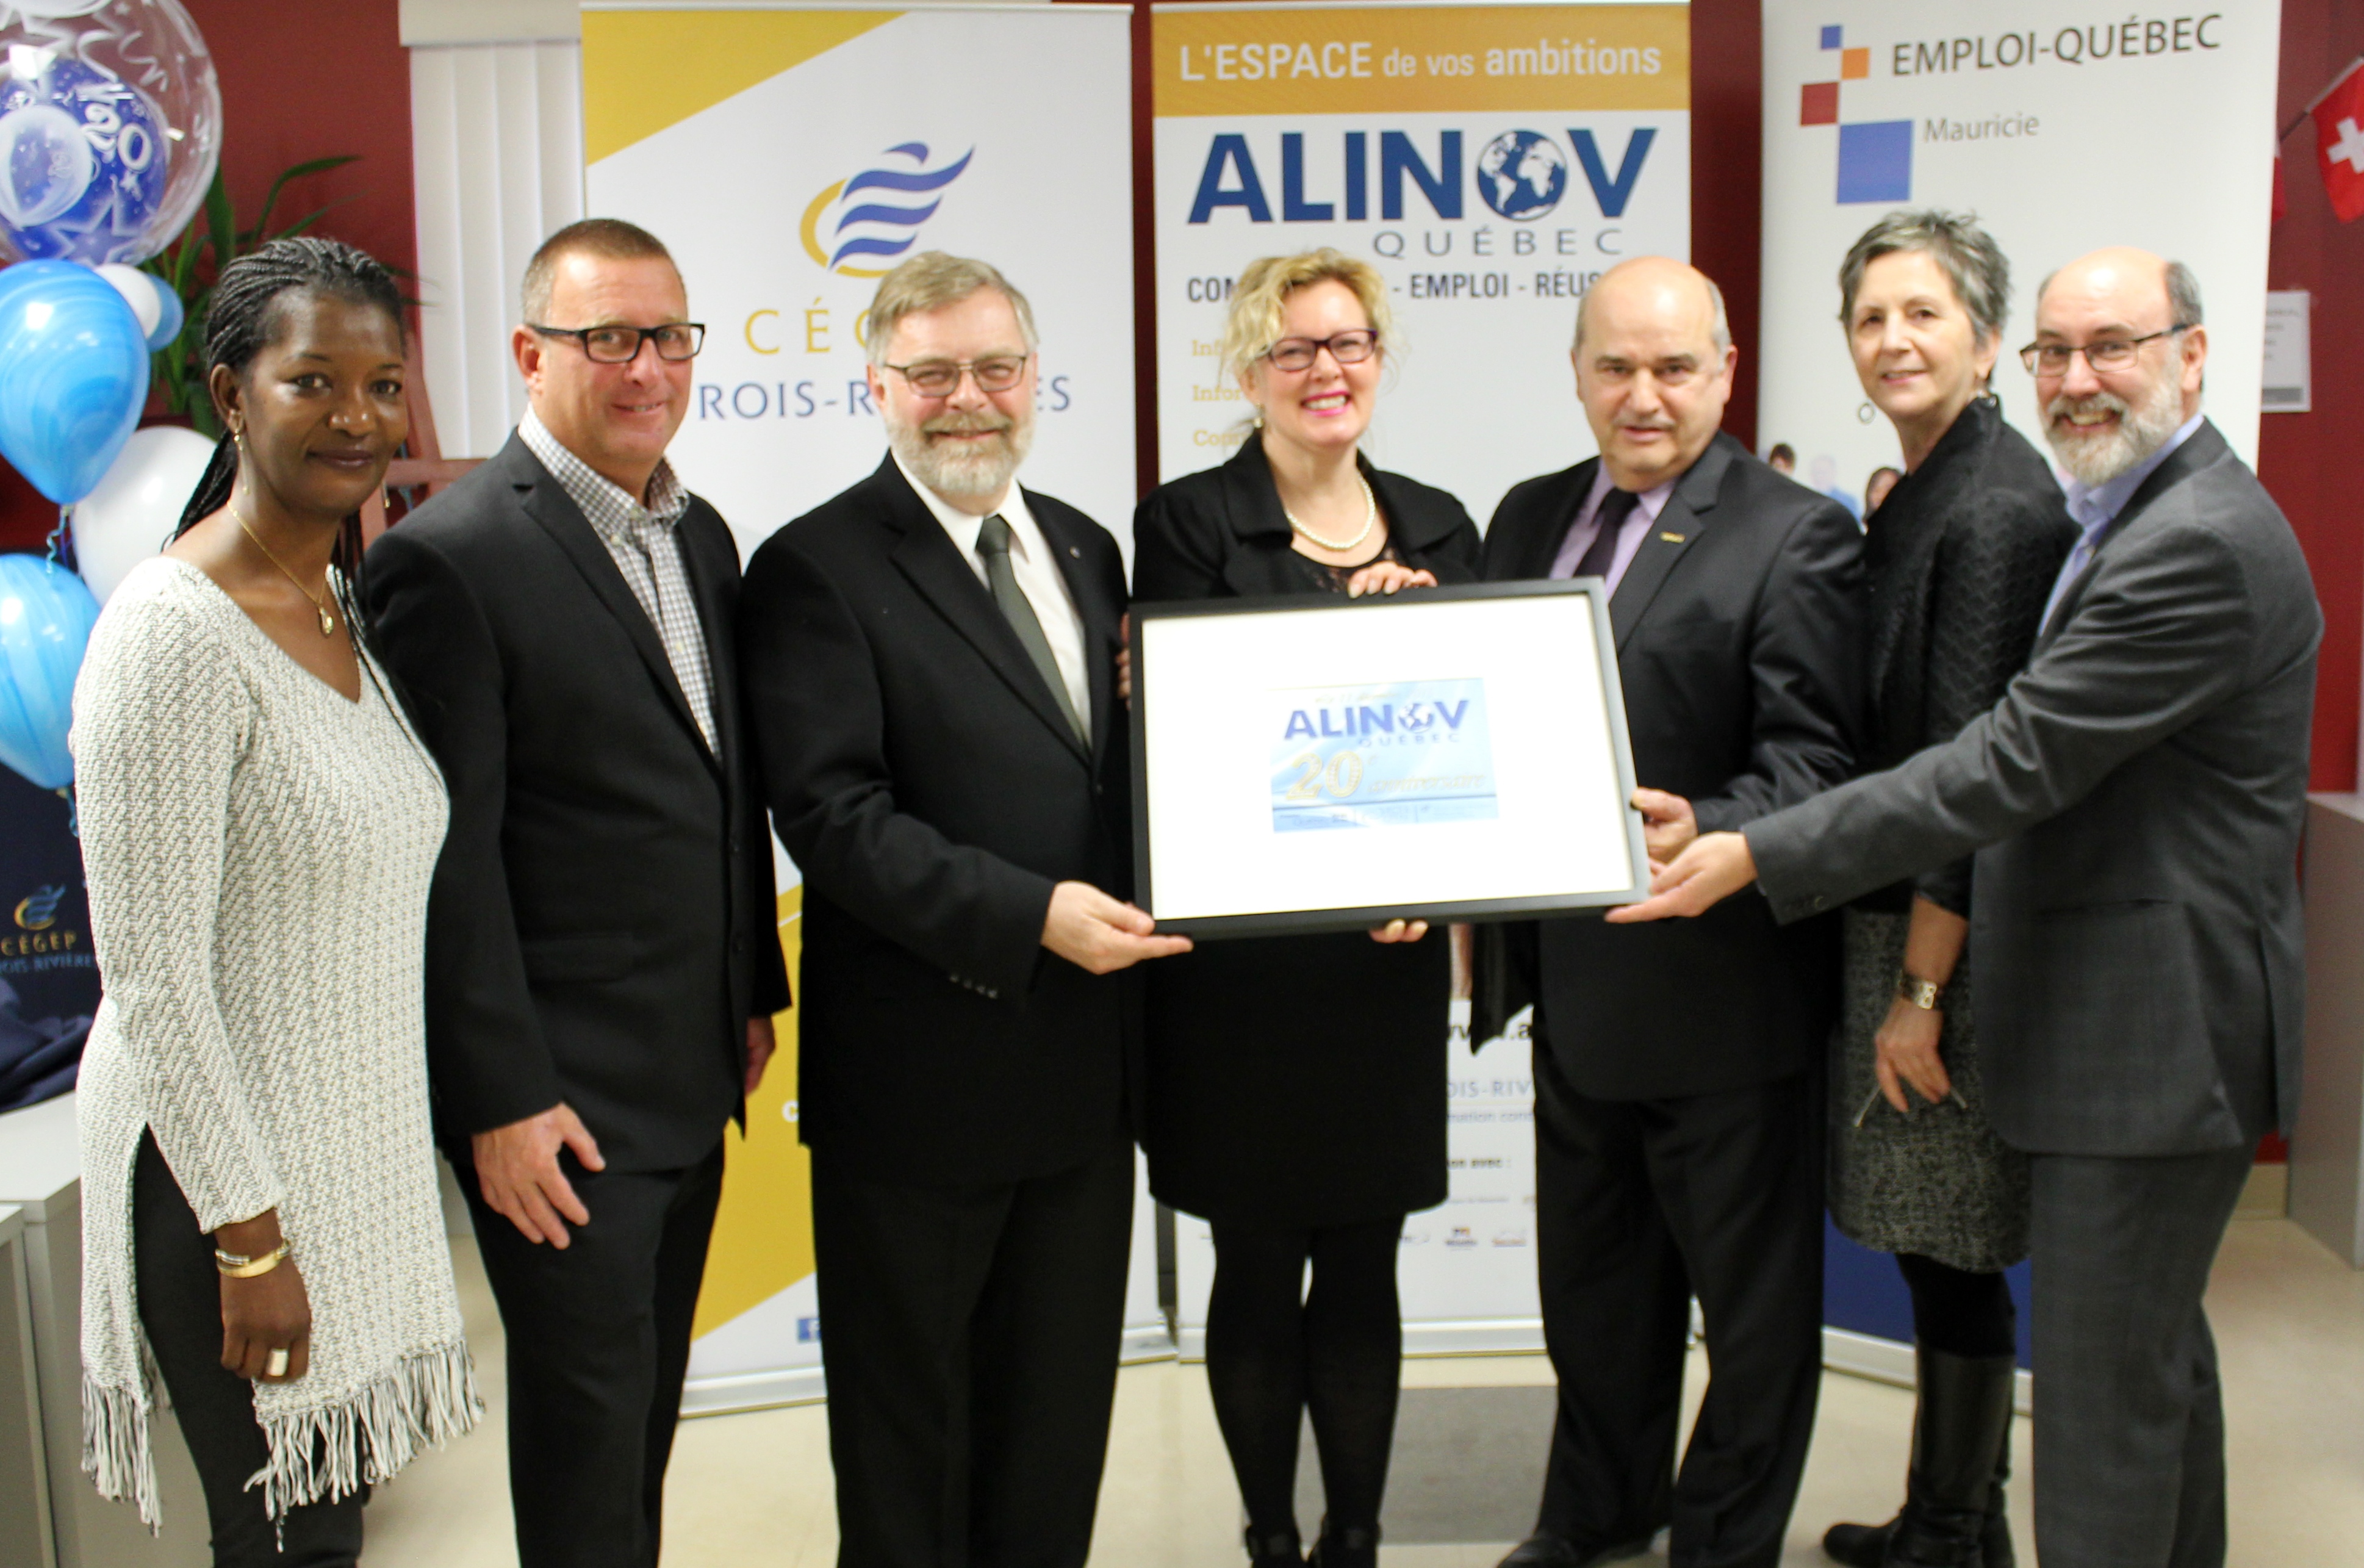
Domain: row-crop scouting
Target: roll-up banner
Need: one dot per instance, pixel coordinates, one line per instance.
(2063, 128)
(790, 156)
(1492, 161)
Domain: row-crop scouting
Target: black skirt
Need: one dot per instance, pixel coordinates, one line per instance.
(1299, 1081)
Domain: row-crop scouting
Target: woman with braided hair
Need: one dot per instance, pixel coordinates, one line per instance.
(260, 827)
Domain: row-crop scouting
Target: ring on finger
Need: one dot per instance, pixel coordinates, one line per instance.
(276, 1365)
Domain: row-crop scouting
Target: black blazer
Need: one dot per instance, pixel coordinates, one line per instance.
(1221, 533)
(929, 787)
(602, 924)
(1959, 561)
(1293, 1081)
(1739, 646)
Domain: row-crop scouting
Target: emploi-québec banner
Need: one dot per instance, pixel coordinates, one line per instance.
(2063, 127)
(789, 157)
(1492, 161)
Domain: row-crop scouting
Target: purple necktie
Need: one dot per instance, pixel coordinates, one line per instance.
(1616, 509)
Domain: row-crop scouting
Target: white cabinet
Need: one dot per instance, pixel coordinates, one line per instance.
(40, 1175)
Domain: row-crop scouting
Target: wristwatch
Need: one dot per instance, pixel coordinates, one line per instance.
(1924, 995)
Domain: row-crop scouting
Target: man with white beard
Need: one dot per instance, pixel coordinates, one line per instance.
(930, 664)
(2134, 802)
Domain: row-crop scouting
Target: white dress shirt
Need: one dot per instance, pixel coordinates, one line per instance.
(1039, 577)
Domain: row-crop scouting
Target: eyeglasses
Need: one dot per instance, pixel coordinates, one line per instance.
(942, 377)
(1346, 348)
(2109, 354)
(676, 341)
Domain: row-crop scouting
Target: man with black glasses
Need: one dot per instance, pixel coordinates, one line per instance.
(932, 676)
(2134, 801)
(602, 958)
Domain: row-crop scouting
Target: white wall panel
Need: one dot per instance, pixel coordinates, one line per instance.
(496, 149)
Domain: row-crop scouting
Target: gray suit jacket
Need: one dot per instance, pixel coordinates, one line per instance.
(2135, 803)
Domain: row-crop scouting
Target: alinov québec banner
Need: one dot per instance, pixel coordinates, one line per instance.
(1492, 161)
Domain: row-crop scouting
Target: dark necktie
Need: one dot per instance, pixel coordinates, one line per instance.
(993, 544)
(1616, 509)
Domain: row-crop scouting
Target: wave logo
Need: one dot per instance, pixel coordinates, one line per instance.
(40, 912)
(1875, 156)
(845, 225)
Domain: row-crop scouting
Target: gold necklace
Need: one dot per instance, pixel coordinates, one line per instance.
(1370, 520)
(327, 621)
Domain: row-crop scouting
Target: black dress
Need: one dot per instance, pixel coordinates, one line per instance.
(1962, 556)
(1293, 1081)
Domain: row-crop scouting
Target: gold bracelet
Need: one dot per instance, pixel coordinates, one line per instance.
(240, 1267)
(1924, 995)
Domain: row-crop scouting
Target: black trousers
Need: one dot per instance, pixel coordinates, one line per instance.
(180, 1306)
(1641, 1204)
(971, 1336)
(2130, 1427)
(599, 1341)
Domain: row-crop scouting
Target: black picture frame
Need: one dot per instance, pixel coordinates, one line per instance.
(1408, 605)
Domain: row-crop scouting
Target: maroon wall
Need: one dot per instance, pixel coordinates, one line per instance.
(302, 80)
(2309, 460)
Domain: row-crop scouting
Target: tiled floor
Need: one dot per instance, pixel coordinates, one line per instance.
(755, 1488)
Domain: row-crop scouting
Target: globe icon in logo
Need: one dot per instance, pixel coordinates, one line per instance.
(1522, 174)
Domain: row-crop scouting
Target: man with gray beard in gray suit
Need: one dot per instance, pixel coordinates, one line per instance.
(2134, 802)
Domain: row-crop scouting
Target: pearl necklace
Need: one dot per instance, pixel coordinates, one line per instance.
(1370, 520)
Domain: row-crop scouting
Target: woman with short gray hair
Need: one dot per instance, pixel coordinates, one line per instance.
(1961, 556)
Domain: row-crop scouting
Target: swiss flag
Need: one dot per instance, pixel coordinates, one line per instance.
(2340, 142)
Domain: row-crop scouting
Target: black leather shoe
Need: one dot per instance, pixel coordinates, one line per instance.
(1345, 1548)
(1545, 1549)
(1279, 1549)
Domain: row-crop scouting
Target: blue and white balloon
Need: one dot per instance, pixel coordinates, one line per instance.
(171, 314)
(73, 376)
(139, 291)
(46, 615)
(110, 126)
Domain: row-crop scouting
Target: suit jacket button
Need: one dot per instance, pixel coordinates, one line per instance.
(1820, 901)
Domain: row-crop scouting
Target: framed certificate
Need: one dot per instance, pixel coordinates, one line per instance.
(1322, 765)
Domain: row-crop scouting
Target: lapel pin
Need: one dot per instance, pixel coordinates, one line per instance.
(1672, 538)
(1079, 555)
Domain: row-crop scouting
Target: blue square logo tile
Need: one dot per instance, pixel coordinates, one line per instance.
(1875, 162)
(1831, 38)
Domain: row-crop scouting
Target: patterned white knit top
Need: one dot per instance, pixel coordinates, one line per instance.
(258, 851)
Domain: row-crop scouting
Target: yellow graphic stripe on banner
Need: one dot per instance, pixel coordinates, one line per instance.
(707, 56)
(1235, 60)
(763, 1236)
